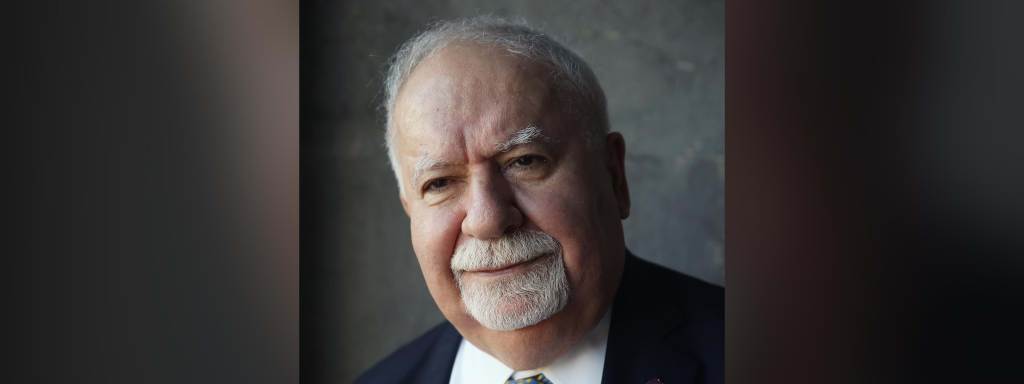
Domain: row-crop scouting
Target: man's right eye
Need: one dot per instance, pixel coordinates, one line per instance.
(436, 185)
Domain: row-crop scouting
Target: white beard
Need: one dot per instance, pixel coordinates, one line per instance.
(516, 300)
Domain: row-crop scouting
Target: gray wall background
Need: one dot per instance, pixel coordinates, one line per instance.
(661, 64)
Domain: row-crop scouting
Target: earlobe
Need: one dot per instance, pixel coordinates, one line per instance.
(616, 147)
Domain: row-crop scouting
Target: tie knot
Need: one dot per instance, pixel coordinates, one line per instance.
(535, 379)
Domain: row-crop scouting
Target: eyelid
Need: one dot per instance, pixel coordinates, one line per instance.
(427, 183)
(537, 158)
(425, 188)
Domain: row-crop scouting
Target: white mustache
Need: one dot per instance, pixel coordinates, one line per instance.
(515, 248)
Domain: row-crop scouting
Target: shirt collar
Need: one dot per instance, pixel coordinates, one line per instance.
(583, 364)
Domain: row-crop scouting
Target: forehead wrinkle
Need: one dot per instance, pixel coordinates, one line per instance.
(463, 96)
(429, 135)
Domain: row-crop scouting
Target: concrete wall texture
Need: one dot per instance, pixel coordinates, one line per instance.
(661, 64)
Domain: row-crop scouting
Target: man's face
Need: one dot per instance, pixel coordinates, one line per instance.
(505, 198)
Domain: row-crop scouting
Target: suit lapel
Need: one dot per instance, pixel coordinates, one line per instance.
(644, 343)
(436, 367)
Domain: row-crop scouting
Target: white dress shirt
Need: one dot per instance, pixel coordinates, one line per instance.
(583, 364)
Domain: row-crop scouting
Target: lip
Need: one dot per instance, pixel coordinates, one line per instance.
(509, 269)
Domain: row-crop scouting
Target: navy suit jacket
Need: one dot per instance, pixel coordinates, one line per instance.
(665, 326)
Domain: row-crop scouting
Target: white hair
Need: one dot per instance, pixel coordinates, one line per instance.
(571, 76)
(517, 300)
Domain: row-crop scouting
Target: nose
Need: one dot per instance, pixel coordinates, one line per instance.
(491, 210)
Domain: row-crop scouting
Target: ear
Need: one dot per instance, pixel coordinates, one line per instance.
(615, 146)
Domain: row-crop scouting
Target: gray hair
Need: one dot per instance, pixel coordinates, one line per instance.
(570, 74)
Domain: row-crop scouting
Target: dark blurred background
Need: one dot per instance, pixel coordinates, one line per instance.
(874, 192)
(661, 65)
(160, 164)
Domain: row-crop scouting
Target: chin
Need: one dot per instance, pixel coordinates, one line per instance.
(516, 314)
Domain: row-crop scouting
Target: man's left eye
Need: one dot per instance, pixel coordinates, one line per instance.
(527, 161)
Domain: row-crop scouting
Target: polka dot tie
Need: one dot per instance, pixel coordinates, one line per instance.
(538, 379)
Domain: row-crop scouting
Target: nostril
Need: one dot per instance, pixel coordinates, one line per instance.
(515, 220)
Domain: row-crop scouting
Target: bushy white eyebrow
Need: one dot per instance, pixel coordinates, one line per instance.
(523, 136)
(424, 164)
(526, 135)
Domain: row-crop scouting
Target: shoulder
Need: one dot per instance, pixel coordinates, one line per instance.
(665, 324)
(652, 282)
(701, 311)
(430, 355)
(695, 308)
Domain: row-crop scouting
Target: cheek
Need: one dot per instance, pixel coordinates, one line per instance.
(565, 209)
(434, 234)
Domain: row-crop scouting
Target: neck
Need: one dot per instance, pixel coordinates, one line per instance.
(538, 345)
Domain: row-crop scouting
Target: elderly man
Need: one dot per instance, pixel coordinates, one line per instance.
(515, 192)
